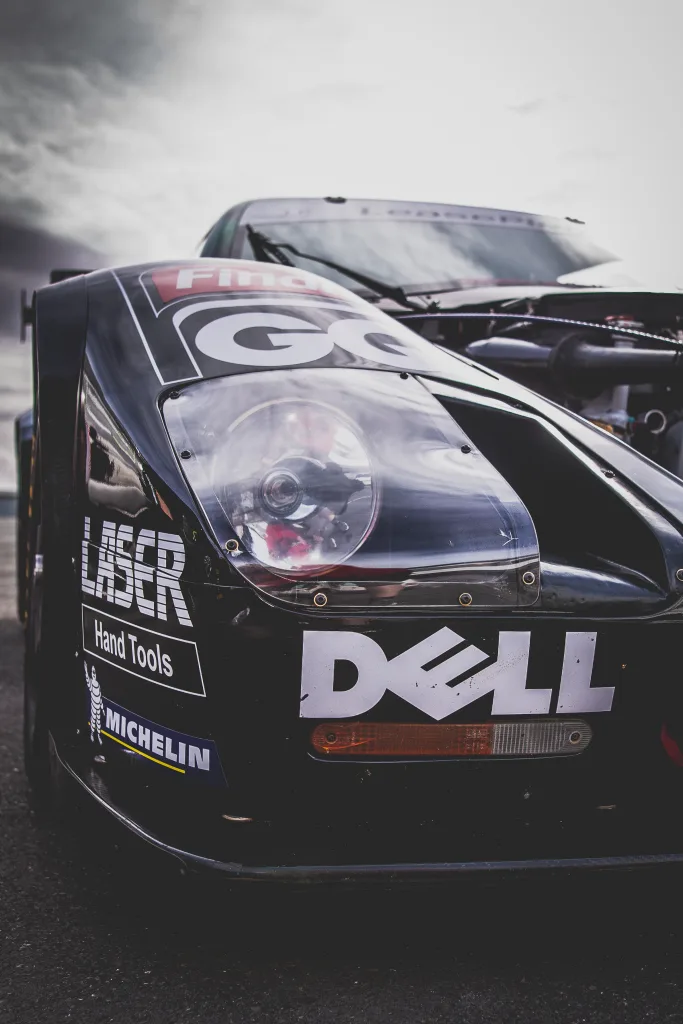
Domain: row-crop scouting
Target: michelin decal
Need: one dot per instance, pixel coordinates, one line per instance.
(178, 752)
(451, 684)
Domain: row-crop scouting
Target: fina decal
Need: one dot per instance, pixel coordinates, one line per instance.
(156, 657)
(168, 284)
(432, 689)
(147, 585)
(178, 752)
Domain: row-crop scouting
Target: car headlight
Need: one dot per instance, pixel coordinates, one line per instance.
(300, 492)
(351, 489)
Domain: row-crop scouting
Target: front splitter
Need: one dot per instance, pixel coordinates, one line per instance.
(384, 873)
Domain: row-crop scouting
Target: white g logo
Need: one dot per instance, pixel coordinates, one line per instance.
(217, 340)
(300, 340)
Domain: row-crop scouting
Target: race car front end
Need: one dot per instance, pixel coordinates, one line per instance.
(349, 607)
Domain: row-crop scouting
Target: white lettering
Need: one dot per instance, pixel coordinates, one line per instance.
(322, 649)
(144, 573)
(143, 737)
(124, 562)
(131, 732)
(169, 545)
(106, 581)
(217, 339)
(113, 721)
(576, 692)
(432, 689)
(351, 335)
(428, 689)
(133, 640)
(170, 756)
(158, 743)
(509, 674)
(121, 558)
(188, 276)
(87, 585)
(199, 758)
(248, 279)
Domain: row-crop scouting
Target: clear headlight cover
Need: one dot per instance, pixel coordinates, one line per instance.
(352, 489)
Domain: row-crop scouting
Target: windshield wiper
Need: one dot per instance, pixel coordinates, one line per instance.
(276, 252)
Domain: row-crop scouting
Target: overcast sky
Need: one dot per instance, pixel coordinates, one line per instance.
(129, 126)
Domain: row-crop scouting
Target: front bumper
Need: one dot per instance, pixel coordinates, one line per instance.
(422, 855)
(307, 818)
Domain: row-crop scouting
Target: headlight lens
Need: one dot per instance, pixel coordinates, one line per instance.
(299, 492)
(354, 484)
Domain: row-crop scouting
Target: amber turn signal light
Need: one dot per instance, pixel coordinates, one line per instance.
(540, 737)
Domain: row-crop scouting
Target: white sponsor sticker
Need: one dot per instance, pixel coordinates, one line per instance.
(140, 569)
(432, 689)
(296, 341)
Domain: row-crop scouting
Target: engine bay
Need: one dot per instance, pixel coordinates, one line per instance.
(619, 363)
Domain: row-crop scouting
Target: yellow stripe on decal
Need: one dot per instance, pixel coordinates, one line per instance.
(142, 753)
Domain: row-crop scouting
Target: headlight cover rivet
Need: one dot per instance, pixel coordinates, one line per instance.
(320, 599)
(185, 454)
(679, 575)
(232, 546)
(528, 578)
(466, 449)
(465, 600)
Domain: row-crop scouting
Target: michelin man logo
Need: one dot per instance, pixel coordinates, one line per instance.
(96, 705)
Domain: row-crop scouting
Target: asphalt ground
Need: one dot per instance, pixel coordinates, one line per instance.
(94, 928)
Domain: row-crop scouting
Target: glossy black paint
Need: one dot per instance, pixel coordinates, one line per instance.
(106, 358)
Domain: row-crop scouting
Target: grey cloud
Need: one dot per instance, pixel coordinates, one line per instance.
(63, 65)
(59, 62)
(129, 36)
(529, 107)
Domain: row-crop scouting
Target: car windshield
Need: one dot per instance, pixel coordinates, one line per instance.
(423, 248)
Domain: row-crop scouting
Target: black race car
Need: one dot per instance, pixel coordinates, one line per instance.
(309, 598)
(507, 275)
